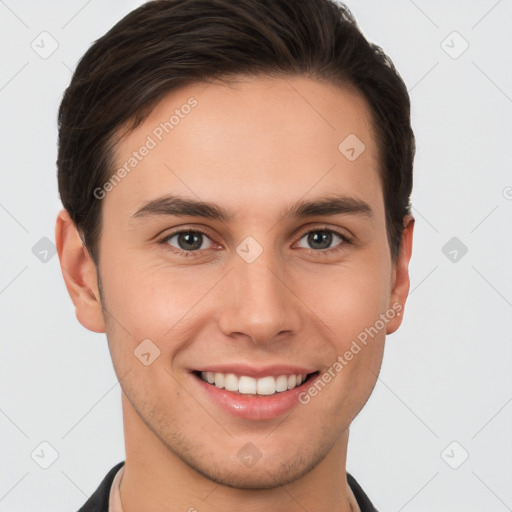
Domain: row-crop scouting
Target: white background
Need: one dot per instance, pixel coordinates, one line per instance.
(446, 374)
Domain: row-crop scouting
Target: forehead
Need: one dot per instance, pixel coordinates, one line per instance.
(267, 140)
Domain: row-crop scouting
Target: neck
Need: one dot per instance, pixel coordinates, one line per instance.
(156, 479)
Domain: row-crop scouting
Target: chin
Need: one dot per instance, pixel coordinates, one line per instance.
(252, 478)
(267, 473)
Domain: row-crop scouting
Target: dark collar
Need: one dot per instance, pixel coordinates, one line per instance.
(98, 502)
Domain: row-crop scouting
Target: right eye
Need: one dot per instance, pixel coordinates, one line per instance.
(188, 241)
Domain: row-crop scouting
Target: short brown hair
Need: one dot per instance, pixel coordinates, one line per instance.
(166, 44)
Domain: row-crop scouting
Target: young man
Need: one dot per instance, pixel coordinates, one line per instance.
(236, 180)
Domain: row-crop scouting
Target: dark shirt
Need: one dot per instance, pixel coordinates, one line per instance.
(98, 502)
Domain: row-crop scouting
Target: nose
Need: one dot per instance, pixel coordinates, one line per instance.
(258, 301)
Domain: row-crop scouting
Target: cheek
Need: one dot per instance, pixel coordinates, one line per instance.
(352, 302)
(151, 300)
(348, 299)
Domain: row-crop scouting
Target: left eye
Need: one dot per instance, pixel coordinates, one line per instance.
(321, 239)
(189, 240)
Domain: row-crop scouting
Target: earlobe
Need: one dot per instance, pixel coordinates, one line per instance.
(79, 274)
(401, 282)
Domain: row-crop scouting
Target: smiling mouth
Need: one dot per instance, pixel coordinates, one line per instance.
(245, 385)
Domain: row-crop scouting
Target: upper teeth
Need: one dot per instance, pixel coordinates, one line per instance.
(249, 385)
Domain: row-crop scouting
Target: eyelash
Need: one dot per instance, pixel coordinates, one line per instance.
(345, 241)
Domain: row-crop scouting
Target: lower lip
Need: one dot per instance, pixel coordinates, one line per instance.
(255, 407)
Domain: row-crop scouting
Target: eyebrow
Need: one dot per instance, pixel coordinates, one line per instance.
(176, 205)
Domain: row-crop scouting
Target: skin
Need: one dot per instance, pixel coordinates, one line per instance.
(254, 147)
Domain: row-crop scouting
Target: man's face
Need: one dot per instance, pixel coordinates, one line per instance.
(258, 294)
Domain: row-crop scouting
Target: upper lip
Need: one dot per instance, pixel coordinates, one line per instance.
(257, 372)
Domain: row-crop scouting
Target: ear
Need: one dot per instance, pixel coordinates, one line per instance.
(401, 281)
(79, 274)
